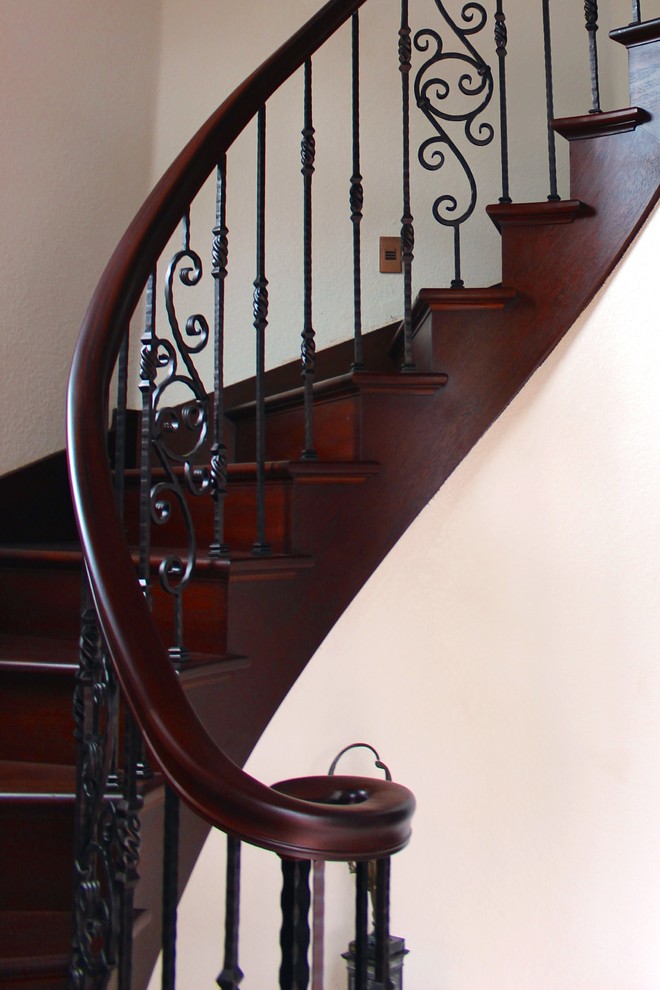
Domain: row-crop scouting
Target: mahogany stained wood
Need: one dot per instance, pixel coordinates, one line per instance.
(421, 441)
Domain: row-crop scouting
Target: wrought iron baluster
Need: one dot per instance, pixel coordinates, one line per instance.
(174, 363)
(232, 974)
(356, 196)
(308, 349)
(128, 846)
(170, 888)
(591, 24)
(148, 374)
(318, 923)
(95, 915)
(294, 934)
(260, 309)
(637, 11)
(550, 102)
(501, 38)
(407, 228)
(361, 925)
(382, 925)
(120, 424)
(432, 93)
(218, 547)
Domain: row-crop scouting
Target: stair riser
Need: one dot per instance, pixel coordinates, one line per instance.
(36, 834)
(239, 519)
(36, 721)
(336, 432)
(46, 601)
(40, 601)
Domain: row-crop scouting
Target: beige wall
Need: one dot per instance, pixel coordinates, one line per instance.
(76, 123)
(504, 661)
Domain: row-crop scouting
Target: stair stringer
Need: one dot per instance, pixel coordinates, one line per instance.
(420, 440)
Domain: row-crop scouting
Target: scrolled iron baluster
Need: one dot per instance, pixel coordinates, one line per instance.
(550, 103)
(261, 547)
(356, 194)
(501, 40)
(232, 974)
(308, 347)
(220, 260)
(591, 24)
(96, 913)
(164, 356)
(407, 226)
(431, 90)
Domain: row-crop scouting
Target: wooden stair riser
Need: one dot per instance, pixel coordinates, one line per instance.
(46, 600)
(36, 854)
(36, 716)
(336, 431)
(239, 519)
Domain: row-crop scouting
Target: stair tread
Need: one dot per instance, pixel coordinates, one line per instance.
(240, 562)
(36, 780)
(352, 383)
(284, 470)
(34, 652)
(21, 952)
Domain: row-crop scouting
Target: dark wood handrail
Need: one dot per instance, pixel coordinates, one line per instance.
(200, 773)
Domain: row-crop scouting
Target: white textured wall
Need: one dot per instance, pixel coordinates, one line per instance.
(76, 126)
(504, 661)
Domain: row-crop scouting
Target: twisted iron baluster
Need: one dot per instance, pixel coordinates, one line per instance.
(501, 38)
(432, 92)
(407, 228)
(356, 197)
(232, 974)
(591, 24)
(170, 888)
(220, 257)
(260, 310)
(361, 925)
(294, 934)
(549, 94)
(308, 349)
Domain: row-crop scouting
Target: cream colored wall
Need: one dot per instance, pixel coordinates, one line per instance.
(504, 661)
(76, 124)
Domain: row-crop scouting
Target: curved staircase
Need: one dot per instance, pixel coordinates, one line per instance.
(386, 442)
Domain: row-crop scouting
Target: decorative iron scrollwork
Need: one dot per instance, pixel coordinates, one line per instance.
(178, 432)
(446, 100)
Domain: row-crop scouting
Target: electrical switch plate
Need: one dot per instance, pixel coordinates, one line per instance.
(390, 255)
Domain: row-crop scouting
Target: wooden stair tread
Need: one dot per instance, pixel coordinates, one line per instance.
(353, 383)
(34, 943)
(593, 125)
(536, 214)
(311, 470)
(241, 563)
(36, 652)
(36, 781)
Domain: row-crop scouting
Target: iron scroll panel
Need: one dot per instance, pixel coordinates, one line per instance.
(464, 78)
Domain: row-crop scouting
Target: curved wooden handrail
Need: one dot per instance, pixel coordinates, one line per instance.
(198, 771)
